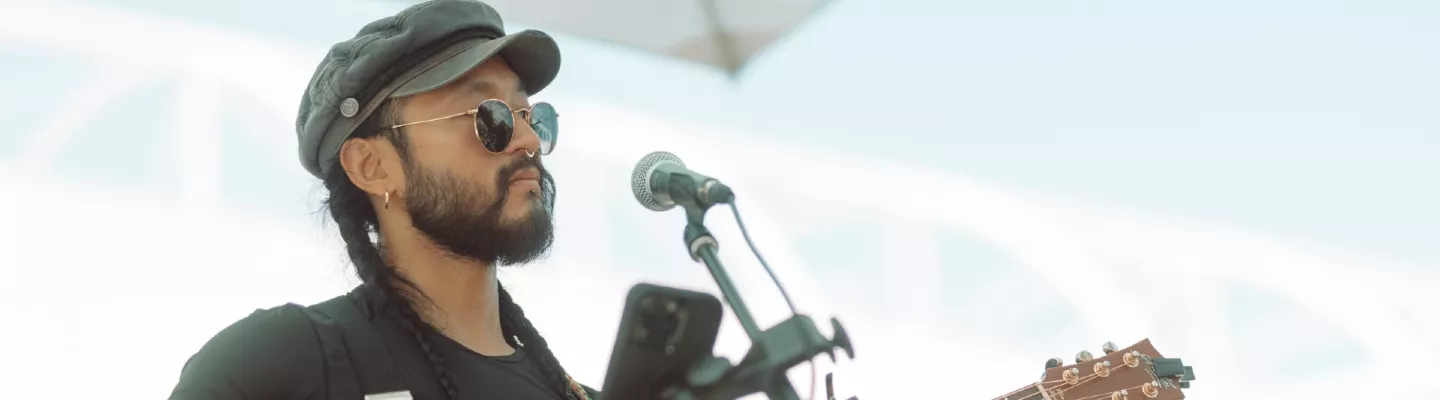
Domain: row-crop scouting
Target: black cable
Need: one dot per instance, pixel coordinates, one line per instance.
(736, 211)
(793, 311)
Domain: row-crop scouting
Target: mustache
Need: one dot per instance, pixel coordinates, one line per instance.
(522, 162)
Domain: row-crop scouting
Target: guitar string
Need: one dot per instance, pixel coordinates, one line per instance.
(1007, 395)
(1079, 382)
(1033, 385)
(1101, 395)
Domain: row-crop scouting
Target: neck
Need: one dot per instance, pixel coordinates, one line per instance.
(1030, 392)
(463, 297)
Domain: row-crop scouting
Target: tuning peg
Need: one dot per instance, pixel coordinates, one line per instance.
(1109, 347)
(1083, 356)
(1052, 363)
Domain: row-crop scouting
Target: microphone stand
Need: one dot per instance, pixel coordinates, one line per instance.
(772, 351)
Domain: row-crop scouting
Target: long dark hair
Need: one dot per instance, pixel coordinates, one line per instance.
(355, 216)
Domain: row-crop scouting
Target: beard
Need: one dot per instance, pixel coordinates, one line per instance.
(464, 220)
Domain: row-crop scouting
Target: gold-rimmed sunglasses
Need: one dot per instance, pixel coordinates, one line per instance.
(495, 124)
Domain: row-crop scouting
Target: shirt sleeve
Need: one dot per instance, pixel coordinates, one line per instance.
(271, 354)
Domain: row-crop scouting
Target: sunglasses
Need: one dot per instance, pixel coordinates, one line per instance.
(495, 124)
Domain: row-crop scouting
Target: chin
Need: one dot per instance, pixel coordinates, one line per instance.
(515, 218)
(520, 212)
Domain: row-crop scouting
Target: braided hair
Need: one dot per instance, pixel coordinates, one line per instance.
(398, 296)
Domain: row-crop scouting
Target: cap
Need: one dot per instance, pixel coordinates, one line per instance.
(420, 49)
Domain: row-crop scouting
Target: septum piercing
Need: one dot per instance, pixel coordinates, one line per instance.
(532, 155)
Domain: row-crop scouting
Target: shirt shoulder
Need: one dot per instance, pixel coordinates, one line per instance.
(270, 354)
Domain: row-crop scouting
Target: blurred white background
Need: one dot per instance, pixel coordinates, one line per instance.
(1251, 185)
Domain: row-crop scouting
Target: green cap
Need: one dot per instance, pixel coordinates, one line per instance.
(420, 49)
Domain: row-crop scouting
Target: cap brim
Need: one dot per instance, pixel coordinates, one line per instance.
(533, 55)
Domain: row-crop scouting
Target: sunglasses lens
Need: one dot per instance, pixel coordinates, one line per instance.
(544, 120)
(494, 125)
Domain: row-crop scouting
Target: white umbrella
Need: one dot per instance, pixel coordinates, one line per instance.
(721, 33)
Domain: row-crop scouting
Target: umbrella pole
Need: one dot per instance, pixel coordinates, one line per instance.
(724, 43)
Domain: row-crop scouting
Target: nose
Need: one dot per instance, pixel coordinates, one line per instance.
(525, 140)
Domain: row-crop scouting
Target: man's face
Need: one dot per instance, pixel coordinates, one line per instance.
(489, 207)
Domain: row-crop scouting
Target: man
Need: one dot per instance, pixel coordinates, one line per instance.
(422, 130)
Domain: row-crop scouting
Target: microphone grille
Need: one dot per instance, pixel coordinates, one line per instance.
(640, 179)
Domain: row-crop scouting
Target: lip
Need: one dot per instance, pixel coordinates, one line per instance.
(530, 174)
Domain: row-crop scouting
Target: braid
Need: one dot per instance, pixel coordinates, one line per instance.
(412, 321)
(513, 316)
(355, 216)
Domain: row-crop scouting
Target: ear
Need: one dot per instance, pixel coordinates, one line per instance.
(373, 165)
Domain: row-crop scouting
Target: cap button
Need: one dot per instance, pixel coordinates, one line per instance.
(349, 107)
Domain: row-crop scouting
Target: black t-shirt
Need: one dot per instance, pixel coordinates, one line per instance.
(275, 354)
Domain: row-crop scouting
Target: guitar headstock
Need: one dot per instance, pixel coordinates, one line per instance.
(1135, 372)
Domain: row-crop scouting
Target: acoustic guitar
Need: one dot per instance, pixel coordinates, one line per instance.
(1133, 373)
(1136, 372)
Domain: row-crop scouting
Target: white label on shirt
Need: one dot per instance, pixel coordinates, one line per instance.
(400, 395)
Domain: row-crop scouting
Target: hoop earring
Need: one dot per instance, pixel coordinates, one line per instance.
(387, 199)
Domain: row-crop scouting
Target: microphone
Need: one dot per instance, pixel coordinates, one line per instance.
(661, 181)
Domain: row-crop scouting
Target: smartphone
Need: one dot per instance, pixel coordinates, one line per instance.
(663, 331)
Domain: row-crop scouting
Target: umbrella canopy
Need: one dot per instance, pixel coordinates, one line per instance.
(724, 34)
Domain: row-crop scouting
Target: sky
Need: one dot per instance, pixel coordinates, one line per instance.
(1313, 119)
